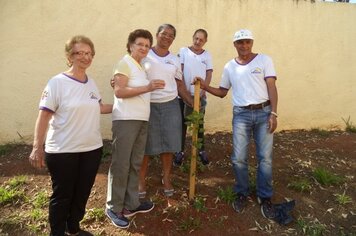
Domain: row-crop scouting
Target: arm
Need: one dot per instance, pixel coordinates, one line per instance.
(273, 97)
(36, 157)
(183, 92)
(208, 76)
(121, 89)
(105, 108)
(219, 92)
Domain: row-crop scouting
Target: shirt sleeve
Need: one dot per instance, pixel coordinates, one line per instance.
(225, 79)
(178, 75)
(209, 62)
(49, 100)
(122, 68)
(181, 56)
(269, 68)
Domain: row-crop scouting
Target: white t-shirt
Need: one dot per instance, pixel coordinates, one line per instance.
(75, 125)
(166, 68)
(195, 65)
(248, 81)
(133, 108)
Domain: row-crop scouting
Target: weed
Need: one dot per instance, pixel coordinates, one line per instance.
(10, 192)
(343, 199)
(228, 195)
(8, 147)
(94, 214)
(17, 181)
(190, 224)
(300, 185)
(37, 215)
(106, 153)
(349, 126)
(326, 178)
(199, 204)
(40, 200)
(311, 228)
(319, 131)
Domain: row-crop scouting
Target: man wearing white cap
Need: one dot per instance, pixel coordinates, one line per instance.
(254, 95)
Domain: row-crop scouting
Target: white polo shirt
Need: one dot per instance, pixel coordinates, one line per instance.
(75, 125)
(133, 108)
(248, 81)
(166, 68)
(195, 65)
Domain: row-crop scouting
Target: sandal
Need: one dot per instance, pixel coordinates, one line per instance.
(168, 192)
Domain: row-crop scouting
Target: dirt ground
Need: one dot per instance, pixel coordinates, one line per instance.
(296, 154)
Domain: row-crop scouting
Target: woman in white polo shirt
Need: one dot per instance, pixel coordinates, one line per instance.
(70, 105)
(165, 124)
(130, 120)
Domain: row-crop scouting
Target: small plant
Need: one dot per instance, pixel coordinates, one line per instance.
(190, 224)
(194, 121)
(349, 126)
(312, 228)
(302, 185)
(17, 181)
(6, 148)
(199, 204)
(228, 195)
(326, 178)
(343, 199)
(106, 153)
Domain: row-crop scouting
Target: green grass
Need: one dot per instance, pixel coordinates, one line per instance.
(343, 199)
(94, 214)
(326, 178)
(350, 127)
(10, 192)
(302, 185)
(227, 195)
(311, 228)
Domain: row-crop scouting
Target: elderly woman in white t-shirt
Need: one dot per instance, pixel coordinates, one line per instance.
(165, 124)
(130, 121)
(70, 109)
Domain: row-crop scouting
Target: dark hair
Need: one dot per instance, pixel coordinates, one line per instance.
(161, 27)
(201, 31)
(68, 49)
(139, 33)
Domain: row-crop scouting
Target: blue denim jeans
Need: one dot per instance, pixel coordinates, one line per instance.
(245, 123)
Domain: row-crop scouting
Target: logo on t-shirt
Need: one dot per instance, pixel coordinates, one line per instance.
(256, 71)
(44, 95)
(169, 62)
(92, 95)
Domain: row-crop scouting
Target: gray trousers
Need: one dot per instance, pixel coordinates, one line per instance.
(128, 147)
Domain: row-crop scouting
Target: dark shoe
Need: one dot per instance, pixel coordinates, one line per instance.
(204, 157)
(143, 208)
(178, 158)
(240, 203)
(267, 208)
(118, 219)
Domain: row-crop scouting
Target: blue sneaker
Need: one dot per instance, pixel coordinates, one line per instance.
(240, 203)
(118, 219)
(267, 208)
(204, 158)
(143, 208)
(178, 158)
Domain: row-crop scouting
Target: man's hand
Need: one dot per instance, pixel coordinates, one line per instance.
(156, 84)
(202, 82)
(272, 123)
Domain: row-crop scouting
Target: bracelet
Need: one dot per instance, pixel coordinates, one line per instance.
(273, 113)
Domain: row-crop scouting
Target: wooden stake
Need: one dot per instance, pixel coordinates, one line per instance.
(193, 161)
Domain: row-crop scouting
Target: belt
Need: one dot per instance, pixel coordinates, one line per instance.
(257, 106)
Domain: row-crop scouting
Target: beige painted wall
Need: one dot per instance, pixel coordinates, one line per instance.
(312, 44)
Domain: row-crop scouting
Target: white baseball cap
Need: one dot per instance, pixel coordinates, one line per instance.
(242, 34)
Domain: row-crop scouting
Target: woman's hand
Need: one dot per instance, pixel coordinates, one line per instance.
(36, 158)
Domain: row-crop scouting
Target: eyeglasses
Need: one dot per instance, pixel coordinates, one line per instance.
(82, 54)
(141, 45)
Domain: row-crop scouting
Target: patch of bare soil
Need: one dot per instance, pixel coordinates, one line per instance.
(296, 155)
